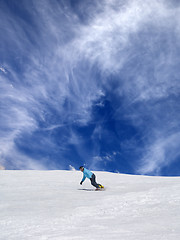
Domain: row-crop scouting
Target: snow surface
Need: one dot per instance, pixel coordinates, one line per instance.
(41, 205)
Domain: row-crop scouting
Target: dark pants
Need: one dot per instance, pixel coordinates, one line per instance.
(93, 181)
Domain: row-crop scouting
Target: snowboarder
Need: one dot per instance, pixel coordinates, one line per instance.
(91, 176)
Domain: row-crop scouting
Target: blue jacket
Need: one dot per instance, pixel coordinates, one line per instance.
(86, 174)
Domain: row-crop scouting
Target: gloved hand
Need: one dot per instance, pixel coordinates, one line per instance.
(81, 182)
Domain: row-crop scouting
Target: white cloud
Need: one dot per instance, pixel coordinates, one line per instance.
(99, 160)
(159, 154)
(107, 38)
(46, 80)
(2, 69)
(110, 41)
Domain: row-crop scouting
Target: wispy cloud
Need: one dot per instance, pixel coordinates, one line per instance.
(47, 84)
(2, 69)
(109, 39)
(159, 154)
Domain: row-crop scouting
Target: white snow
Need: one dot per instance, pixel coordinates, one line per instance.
(44, 205)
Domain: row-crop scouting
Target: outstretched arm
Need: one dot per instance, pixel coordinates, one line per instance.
(82, 180)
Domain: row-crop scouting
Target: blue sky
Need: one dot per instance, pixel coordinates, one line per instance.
(90, 82)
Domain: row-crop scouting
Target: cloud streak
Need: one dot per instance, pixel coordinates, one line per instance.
(160, 154)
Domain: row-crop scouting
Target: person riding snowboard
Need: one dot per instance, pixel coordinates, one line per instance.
(91, 176)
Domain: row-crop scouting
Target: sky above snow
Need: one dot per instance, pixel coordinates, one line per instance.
(90, 82)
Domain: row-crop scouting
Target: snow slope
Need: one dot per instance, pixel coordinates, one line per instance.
(41, 205)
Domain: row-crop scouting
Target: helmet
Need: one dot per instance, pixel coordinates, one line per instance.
(81, 167)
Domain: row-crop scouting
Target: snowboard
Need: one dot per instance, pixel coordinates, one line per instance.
(92, 189)
(100, 189)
